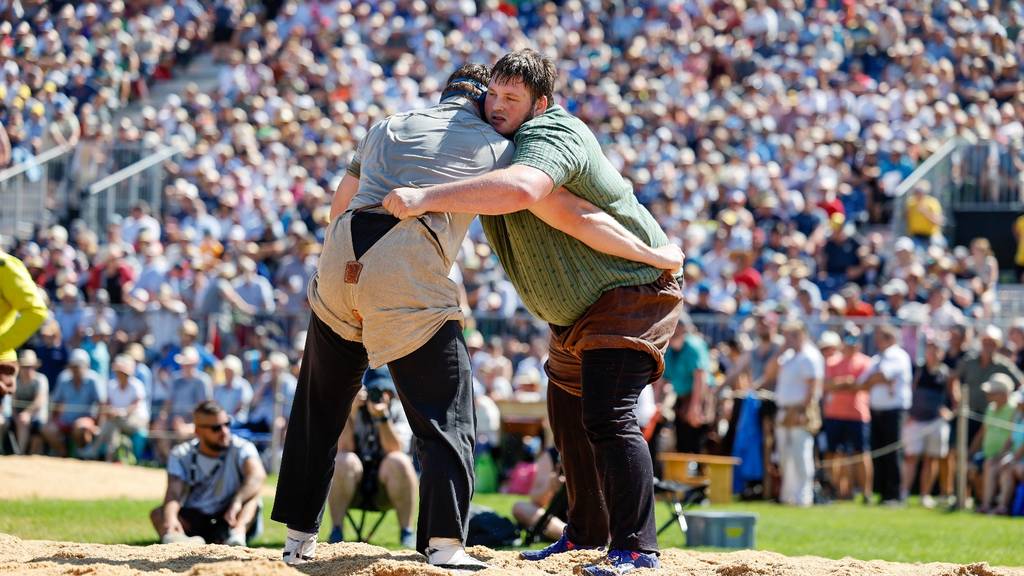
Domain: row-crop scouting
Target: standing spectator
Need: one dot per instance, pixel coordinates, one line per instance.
(125, 410)
(847, 417)
(924, 215)
(76, 401)
(888, 381)
(31, 407)
(927, 430)
(798, 374)
(1018, 258)
(234, 394)
(688, 368)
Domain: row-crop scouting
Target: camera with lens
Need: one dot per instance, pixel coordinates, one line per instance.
(375, 395)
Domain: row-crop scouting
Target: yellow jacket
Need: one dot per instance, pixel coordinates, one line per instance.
(22, 309)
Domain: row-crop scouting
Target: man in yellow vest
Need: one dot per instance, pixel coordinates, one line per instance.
(924, 215)
(22, 311)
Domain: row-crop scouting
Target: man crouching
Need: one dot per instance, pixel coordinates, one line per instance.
(213, 485)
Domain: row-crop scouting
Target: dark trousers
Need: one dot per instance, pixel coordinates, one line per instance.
(435, 386)
(886, 426)
(610, 457)
(689, 439)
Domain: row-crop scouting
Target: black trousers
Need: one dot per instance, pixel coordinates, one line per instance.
(436, 389)
(886, 426)
(608, 470)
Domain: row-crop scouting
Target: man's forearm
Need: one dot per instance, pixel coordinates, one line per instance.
(250, 488)
(388, 440)
(594, 227)
(499, 192)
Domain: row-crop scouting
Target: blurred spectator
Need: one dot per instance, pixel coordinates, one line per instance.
(924, 215)
(272, 400)
(547, 481)
(846, 414)
(125, 410)
(234, 392)
(994, 440)
(798, 373)
(889, 382)
(31, 406)
(76, 400)
(688, 369)
(979, 367)
(188, 387)
(926, 432)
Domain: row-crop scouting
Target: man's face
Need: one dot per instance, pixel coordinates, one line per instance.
(214, 431)
(509, 104)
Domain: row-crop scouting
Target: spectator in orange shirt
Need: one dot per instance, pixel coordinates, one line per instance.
(855, 306)
(846, 413)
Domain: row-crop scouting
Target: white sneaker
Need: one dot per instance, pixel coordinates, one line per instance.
(181, 538)
(454, 559)
(928, 501)
(299, 551)
(235, 539)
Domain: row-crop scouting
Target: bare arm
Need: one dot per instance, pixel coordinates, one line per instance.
(584, 221)
(172, 503)
(499, 192)
(254, 475)
(343, 196)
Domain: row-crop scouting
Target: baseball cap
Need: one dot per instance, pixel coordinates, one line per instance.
(28, 358)
(379, 379)
(904, 244)
(998, 383)
(123, 363)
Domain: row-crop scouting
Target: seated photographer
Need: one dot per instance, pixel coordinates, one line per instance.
(547, 481)
(213, 485)
(372, 468)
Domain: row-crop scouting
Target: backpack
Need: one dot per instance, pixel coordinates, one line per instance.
(486, 528)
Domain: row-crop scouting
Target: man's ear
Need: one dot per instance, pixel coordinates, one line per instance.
(540, 105)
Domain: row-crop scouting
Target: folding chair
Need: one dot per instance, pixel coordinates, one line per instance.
(379, 504)
(678, 497)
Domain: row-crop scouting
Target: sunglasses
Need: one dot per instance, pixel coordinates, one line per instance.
(215, 427)
(8, 369)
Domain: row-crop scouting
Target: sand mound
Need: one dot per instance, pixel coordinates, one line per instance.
(42, 558)
(65, 479)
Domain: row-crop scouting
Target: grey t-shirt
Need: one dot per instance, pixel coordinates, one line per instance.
(186, 392)
(403, 306)
(211, 482)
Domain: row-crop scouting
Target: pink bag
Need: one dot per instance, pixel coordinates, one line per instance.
(520, 479)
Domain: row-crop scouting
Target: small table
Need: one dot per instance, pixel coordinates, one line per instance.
(716, 471)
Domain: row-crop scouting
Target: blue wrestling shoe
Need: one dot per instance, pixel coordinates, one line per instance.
(621, 562)
(562, 545)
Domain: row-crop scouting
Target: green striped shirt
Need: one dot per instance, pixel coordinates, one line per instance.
(557, 276)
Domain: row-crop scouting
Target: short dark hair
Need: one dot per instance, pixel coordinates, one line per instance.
(479, 76)
(530, 68)
(207, 407)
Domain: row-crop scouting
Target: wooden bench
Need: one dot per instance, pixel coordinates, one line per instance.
(525, 419)
(715, 471)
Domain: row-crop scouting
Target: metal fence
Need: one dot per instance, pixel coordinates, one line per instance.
(30, 191)
(139, 179)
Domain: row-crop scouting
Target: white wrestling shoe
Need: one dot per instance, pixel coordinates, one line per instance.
(299, 551)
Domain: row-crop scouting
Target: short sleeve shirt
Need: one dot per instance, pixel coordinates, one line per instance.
(211, 482)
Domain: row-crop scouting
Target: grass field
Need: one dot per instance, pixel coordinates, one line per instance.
(835, 531)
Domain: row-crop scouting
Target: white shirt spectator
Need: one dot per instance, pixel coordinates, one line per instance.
(796, 367)
(894, 363)
(123, 398)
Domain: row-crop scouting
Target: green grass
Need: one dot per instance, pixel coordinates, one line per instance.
(835, 531)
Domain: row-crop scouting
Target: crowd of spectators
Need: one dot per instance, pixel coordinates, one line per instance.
(768, 138)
